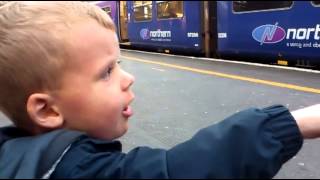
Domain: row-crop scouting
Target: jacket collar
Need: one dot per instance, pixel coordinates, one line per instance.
(10, 132)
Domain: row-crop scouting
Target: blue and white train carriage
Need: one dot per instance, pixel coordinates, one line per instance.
(281, 32)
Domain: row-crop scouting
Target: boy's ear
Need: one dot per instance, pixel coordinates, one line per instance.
(43, 111)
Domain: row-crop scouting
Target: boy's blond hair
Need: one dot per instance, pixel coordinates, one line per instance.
(34, 49)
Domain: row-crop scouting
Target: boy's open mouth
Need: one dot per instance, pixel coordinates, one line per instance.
(127, 112)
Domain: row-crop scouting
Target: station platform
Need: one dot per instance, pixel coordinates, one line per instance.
(176, 96)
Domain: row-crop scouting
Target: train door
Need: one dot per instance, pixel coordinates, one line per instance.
(123, 21)
(210, 28)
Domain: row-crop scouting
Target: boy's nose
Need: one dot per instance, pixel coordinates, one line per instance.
(128, 80)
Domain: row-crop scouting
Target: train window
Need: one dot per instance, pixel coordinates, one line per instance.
(142, 10)
(247, 6)
(169, 9)
(316, 3)
(107, 10)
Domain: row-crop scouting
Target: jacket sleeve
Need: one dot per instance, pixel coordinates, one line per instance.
(251, 144)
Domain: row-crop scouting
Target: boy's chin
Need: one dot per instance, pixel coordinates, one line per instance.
(120, 134)
(117, 135)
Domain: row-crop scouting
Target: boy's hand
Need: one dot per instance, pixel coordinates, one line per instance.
(308, 120)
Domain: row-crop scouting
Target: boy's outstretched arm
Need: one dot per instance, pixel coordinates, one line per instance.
(251, 144)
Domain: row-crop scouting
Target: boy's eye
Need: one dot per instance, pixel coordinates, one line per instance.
(107, 73)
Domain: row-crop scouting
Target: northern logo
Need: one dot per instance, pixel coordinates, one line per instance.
(145, 34)
(269, 34)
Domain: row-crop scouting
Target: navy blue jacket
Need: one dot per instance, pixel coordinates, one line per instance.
(251, 144)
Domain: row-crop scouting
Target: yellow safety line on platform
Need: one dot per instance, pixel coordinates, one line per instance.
(242, 78)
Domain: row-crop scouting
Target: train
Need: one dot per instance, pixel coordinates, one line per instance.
(285, 33)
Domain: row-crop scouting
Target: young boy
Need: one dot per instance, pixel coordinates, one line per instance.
(59, 72)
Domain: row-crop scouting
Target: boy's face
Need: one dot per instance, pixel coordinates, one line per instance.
(95, 93)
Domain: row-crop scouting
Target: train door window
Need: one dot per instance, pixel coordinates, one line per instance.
(123, 20)
(316, 3)
(107, 10)
(254, 6)
(142, 10)
(169, 9)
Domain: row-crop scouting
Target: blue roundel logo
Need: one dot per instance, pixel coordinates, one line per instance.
(144, 34)
(269, 34)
